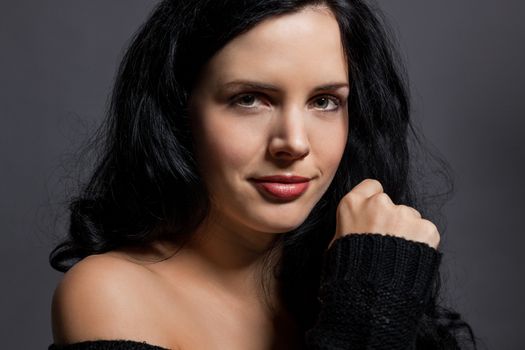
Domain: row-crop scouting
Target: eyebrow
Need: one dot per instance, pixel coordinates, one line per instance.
(264, 86)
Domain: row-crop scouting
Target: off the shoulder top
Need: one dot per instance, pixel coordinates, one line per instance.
(373, 292)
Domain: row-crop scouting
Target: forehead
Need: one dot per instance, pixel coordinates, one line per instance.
(305, 45)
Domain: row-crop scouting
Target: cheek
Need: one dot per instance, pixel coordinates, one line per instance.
(329, 142)
(226, 145)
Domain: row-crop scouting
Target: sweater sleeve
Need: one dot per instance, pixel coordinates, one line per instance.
(373, 293)
(107, 345)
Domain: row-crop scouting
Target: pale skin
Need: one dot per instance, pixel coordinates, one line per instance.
(207, 296)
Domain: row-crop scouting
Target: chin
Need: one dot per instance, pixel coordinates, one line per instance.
(280, 223)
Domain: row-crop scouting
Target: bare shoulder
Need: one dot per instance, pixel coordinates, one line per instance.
(106, 297)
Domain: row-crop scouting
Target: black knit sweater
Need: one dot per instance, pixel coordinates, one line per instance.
(374, 289)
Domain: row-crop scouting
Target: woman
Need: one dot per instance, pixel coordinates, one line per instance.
(254, 192)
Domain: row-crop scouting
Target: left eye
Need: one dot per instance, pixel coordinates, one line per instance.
(327, 103)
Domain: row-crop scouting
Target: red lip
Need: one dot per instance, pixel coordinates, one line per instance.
(282, 179)
(282, 187)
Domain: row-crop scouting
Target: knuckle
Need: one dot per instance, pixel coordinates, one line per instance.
(375, 183)
(353, 197)
(431, 231)
(409, 210)
(349, 200)
(429, 226)
(403, 207)
(381, 198)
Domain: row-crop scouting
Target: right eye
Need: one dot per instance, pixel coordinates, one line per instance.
(247, 100)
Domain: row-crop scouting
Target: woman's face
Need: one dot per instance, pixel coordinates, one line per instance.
(273, 101)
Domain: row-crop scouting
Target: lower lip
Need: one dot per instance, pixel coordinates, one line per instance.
(283, 190)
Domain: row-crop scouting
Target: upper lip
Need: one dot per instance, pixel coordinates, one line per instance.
(282, 178)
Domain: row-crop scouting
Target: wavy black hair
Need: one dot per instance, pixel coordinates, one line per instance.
(146, 186)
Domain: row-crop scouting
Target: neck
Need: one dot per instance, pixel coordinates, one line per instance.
(229, 262)
(234, 258)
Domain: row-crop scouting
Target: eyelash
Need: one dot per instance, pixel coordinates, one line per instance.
(234, 101)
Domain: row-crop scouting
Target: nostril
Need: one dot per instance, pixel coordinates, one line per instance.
(291, 153)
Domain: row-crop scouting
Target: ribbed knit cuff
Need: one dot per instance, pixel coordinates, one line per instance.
(373, 293)
(382, 261)
(120, 344)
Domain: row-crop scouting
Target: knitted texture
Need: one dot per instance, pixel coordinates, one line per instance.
(373, 292)
(107, 345)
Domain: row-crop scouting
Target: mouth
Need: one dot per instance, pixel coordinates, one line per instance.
(282, 187)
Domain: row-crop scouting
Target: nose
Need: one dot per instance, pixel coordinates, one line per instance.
(289, 139)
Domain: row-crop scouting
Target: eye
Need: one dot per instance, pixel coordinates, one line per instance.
(327, 103)
(248, 100)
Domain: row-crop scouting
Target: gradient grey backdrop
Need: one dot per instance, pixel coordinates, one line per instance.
(466, 64)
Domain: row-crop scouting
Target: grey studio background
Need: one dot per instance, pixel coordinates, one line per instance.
(466, 62)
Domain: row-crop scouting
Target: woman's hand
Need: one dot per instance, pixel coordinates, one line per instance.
(367, 209)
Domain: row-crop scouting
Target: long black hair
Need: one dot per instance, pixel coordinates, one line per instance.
(146, 185)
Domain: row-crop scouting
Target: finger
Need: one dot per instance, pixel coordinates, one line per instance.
(416, 213)
(410, 210)
(381, 197)
(368, 188)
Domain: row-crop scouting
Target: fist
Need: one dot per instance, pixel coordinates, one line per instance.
(367, 209)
